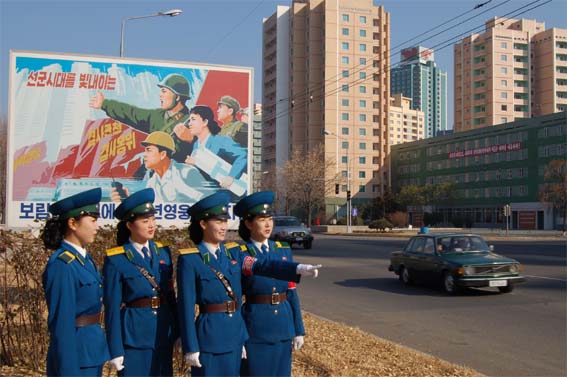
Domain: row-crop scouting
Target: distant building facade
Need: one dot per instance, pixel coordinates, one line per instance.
(418, 78)
(491, 167)
(515, 69)
(406, 124)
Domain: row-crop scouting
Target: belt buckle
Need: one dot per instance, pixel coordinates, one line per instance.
(230, 306)
(155, 302)
(275, 298)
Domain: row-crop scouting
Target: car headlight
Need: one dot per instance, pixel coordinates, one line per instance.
(514, 268)
(468, 270)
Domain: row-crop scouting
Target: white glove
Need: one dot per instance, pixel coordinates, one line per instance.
(308, 269)
(298, 342)
(192, 358)
(117, 363)
(244, 356)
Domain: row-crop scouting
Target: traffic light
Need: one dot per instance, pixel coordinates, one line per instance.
(348, 195)
(337, 189)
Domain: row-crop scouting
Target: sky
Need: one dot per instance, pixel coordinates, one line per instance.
(228, 32)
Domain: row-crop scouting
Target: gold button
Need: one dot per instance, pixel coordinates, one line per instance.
(230, 315)
(100, 285)
(276, 312)
(273, 289)
(154, 312)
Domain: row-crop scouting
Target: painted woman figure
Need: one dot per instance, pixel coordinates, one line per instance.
(210, 276)
(73, 288)
(140, 312)
(272, 311)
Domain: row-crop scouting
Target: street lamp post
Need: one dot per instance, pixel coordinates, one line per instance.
(170, 13)
(348, 199)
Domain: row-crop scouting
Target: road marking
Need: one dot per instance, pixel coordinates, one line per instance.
(543, 277)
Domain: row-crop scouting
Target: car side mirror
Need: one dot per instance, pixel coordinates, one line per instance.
(491, 247)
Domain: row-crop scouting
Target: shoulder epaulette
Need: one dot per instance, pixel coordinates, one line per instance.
(230, 245)
(192, 250)
(243, 248)
(282, 244)
(159, 244)
(67, 257)
(115, 251)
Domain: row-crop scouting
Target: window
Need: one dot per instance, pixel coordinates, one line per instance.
(345, 88)
(504, 95)
(344, 116)
(345, 17)
(503, 45)
(362, 33)
(344, 173)
(344, 102)
(363, 61)
(344, 145)
(344, 159)
(362, 117)
(345, 31)
(344, 45)
(362, 146)
(344, 131)
(362, 75)
(504, 107)
(362, 160)
(362, 89)
(503, 70)
(362, 47)
(345, 73)
(361, 174)
(345, 59)
(362, 188)
(362, 103)
(362, 19)
(362, 131)
(503, 58)
(504, 83)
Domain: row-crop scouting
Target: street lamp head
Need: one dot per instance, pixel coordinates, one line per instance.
(171, 13)
(327, 132)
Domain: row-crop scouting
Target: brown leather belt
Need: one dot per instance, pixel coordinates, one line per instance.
(89, 319)
(273, 299)
(225, 307)
(146, 302)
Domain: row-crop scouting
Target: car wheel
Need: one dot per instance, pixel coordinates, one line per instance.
(507, 289)
(307, 244)
(405, 276)
(449, 284)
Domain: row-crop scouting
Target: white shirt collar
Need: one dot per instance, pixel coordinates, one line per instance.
(212, 248)
(80, 249)
(259, 244)
(138, 246)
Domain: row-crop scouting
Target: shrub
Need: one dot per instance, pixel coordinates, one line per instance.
(380, 224)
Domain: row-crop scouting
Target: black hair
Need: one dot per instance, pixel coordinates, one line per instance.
(123, 233)
(206, 113)
(196, 232)
(53, 233)
(168, 151)
(243, 231)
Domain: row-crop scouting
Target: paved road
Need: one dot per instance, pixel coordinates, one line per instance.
(522, 333)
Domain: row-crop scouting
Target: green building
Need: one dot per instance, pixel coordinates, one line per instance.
(491, 167)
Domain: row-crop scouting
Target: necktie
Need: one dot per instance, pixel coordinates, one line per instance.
(146, 252)
(264, 248)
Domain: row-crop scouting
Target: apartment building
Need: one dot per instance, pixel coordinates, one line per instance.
(515, 69)
(418, 77)
(326, 80)
(406, 124)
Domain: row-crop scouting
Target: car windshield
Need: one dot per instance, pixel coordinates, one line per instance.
(288, 221)
(460, 244)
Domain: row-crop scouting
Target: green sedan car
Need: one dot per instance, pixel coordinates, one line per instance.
(456, 261)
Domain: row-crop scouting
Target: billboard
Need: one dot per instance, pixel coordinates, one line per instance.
(78, 122)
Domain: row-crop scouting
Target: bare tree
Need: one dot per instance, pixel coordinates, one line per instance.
(306, 179)
(554, 190)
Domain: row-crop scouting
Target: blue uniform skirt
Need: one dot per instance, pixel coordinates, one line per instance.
(147, 362)
(267, 359)
(219, 364)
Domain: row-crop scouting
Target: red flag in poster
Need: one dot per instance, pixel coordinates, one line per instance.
(108, 149)
(63, 167)
(221, 83)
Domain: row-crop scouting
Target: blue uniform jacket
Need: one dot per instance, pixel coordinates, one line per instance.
(144, 328)
(267, 323)
(198, 284)
(73, 288)
(228, 150)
